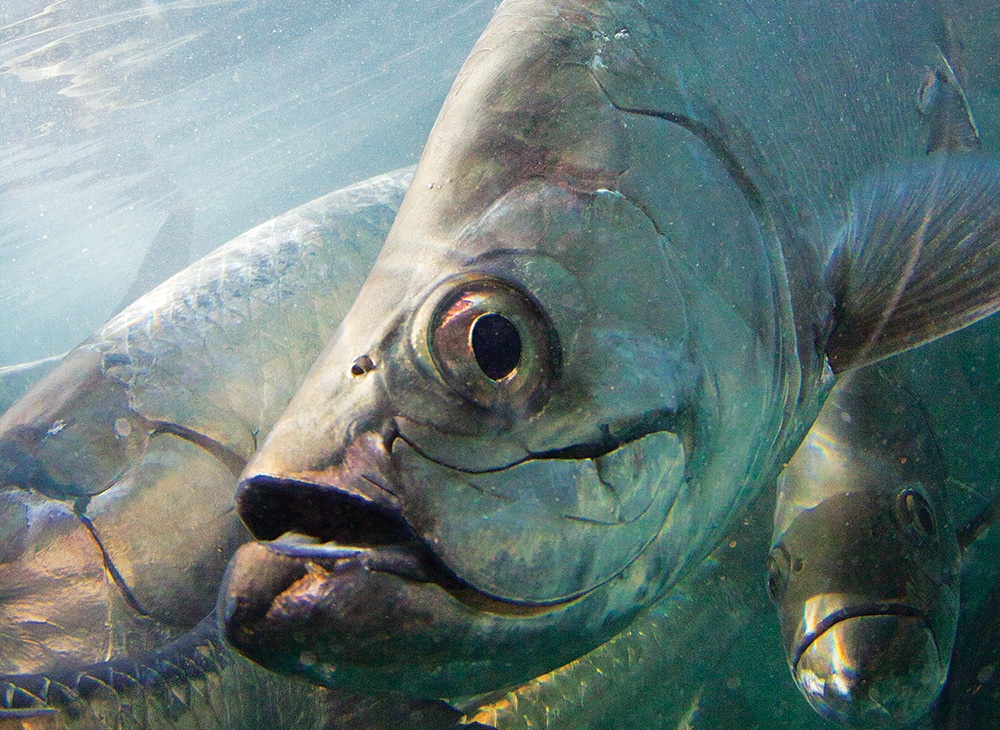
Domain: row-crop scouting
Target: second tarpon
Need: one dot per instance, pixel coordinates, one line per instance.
(117, 469)
(864, 568)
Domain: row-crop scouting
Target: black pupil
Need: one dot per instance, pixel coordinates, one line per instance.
(497, 345)
(921, 511)
(773, 579)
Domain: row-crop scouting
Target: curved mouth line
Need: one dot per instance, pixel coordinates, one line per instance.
(666, 421)
(326, 526)
(860, 611)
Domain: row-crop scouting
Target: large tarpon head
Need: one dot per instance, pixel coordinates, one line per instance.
(865, 564)
(511, 421)
(594, 331)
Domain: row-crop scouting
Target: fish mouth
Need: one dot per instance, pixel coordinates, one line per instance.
(872, 666)
(341, 591)
(329, 528)
(866, 610)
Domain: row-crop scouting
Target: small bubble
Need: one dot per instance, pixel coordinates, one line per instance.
(122, 427)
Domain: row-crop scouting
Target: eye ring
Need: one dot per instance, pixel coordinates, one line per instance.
(488, 341)
(916, 514)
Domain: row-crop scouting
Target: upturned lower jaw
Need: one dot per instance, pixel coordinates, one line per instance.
(321, 613)
(410, 560)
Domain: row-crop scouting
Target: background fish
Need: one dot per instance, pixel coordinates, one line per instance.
(118, 469)
(864, 567)
(608, 311)
(197, 682)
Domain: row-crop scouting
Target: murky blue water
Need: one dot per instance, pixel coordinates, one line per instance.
(114, 114)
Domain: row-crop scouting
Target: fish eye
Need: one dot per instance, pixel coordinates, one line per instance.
(915, 513)
(779, 565)
(489, 341)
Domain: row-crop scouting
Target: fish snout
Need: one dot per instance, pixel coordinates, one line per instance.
(348, 501)
(872, 669)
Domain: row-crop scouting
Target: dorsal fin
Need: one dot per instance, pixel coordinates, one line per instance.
(941, 99)
(169, 252)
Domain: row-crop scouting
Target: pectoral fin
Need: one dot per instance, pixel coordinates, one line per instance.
(919, 258)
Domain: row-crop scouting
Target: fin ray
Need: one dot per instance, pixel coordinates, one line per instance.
(920, 257)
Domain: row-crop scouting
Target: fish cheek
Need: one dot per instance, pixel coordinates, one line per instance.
(543, 481)
(544, 530)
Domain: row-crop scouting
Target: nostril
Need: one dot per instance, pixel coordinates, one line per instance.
(270, 507)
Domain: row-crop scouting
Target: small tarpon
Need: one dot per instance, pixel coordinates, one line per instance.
(865, 564)
(641, 240)
(118, 468)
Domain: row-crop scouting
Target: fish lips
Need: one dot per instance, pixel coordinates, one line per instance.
(871, 665)
(283, 602)
(357, 583)
(368, 606)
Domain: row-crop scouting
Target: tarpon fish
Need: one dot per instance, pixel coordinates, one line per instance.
(864, 568)
(117, 470)
(68, 575)
(639, 243)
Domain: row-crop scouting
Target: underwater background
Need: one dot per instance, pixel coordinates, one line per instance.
(116, 115)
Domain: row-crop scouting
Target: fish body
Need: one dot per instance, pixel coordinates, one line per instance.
(611, 305)
(117, 469)
(198, 682)
(195, 682)
(864, 567)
